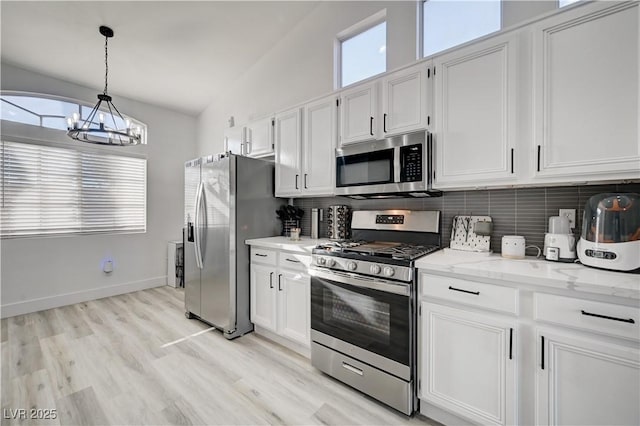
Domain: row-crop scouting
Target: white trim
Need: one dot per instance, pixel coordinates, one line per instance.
(354, 30)
(419, 29)
(49, 302)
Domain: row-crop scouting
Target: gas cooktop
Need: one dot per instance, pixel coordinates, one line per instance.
(376, 249)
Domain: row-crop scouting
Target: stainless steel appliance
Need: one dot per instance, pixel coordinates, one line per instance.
(363, 303)
(611, 232)
(399, 166)
(228, 199)
(339, 222)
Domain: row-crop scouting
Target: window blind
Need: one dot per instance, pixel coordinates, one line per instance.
(48, 190)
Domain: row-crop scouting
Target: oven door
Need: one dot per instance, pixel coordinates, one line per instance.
(366, 168)
(369, 313)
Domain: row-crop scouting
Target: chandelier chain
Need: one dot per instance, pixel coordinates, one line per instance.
(106, 64)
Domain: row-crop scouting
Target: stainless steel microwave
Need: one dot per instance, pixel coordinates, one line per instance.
(399, 166)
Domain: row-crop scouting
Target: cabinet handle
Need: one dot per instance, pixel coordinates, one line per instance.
(464, 291)
(630, 320)
(511, 343)
(261, 255)
(371, 126)
(542, 351)
(352, 368)
(538, 157)
(384, 122)
(292, 260)
(297, 182)
(305, 181)
(512, 160)
(279, 282)
(270, 279)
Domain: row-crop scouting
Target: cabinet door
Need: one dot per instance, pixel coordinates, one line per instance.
(288, 161)
(234, 139)
(584, 381)
(586, 116)
(260, 138)
(468, 363)
(359, 114)
(263, 296)
(475, 114)
(319, 147)
(295, 298)
(404, 101)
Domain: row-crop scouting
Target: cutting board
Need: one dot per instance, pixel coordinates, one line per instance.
(463, 236)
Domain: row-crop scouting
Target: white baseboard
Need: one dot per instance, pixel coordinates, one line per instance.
(35, 305)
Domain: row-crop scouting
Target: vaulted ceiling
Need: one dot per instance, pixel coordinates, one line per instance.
(177, 54)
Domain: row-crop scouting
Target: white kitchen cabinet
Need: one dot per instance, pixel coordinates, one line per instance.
(359, 119)
(263, 296)
(587, 94)
(281, 294)
(586, 381)
(234, 139)
(318, 148)
(259, 138)
(475, 115)
(468, 363)
(288, 149)
(405, 96)
(295, 299)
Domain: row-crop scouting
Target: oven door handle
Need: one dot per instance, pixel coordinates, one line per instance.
(363, 282)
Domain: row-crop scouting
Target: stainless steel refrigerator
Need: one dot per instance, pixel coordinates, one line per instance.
(228, 199)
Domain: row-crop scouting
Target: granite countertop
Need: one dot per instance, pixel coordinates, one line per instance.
(532, 271)
(304, 244)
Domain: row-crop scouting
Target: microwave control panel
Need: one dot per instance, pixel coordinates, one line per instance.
(411, 163)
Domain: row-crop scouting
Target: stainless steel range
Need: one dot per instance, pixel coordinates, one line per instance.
(363, 303)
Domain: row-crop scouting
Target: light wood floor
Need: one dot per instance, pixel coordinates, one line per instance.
(107, 362)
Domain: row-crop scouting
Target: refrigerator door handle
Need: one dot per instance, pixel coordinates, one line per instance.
(197, 226)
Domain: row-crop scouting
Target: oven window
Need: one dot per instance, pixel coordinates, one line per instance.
(342, 308)
(373, 320)
(369, 168)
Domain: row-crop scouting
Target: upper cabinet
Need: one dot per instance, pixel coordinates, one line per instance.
(255, 139)
(259, 138)
(359, 114)
(288, 149)
(319, 144)
(475, 115)
(405, 96)
(305, 153)
(587, 94)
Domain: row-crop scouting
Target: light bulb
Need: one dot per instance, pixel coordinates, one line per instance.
(69, 123)
(76, 117)
(101, 116)
(127, 124)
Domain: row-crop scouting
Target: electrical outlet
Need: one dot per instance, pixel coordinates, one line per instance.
(571, 214)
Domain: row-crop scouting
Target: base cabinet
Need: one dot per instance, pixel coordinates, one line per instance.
(585, 381)
(468, 363)
(281, 296)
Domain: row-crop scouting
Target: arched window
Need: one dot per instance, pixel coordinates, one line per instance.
(52, 185)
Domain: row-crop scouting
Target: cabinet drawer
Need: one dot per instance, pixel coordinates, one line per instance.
(496, 298)
(296, 262)
(259, 255)
(600, 317)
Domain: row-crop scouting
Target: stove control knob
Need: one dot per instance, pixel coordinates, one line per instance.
(330, 262)
(375, 269)
(389, 271)
(321, 261)
(352, 266)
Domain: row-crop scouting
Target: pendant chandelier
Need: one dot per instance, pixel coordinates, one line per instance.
(110, 128)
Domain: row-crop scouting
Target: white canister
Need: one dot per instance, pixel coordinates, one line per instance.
(513, 246)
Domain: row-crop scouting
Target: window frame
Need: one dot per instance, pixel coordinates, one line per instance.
(17, 132)
(348, 33)
(420, 31)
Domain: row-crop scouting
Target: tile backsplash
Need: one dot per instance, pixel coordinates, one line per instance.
(522, 211)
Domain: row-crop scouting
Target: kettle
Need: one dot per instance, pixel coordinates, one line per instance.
(610, 236)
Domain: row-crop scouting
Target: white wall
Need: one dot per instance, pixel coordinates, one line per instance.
(301, 66)
(39, 273)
